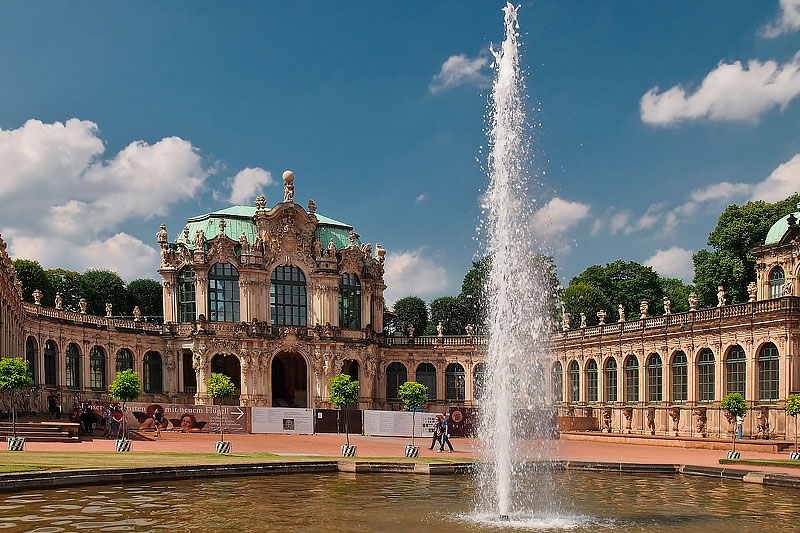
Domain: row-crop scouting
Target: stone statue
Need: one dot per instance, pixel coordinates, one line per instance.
(367, 249)
(332, 248)
(162, 237)
(288, 187)
(565, 321)
(667, 306)
(440, 329)
(199, 241)
(312, 207)
(762, 422)
(186, 234)
(318, 248)
(137, 314)
(222, 224)
(720, 296)
(83, 303)
(787, 287)
(692, 301)
(700, 413)
(108, 309)
(352, 237)
(607, 419)
(260, 203)
(37, 297)
(752, 291)
(469, 330)
(651, 420)
(244, 242)
(628, 412)
(583, 320)
(601, 316)
(59, 301)
(621, 311)
(644, 307)
(380, 253)
(411, 330)
(675, 414)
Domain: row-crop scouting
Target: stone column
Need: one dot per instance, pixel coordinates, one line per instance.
(601, 381)
(751, 374)
(202, 369)
(469, 381)
(691, 377)
(366, 305)
(621, 380)
(39, 377)
(111, 365)
(201, 292)
(245, 312)
(84, 365)
(643, 380)
(169, 296)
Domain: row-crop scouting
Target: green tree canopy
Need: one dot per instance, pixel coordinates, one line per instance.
(626, 283)
(473, 291)
(220, 386)
(678, 293)
(147, 294)
(734, 404)
(126, 386)
(15, 379)
(69, 284)
(411, 310)
(33, 277)
(581, 297)
(100, 287)
(453, 312)
(343, 392)
(412, 394)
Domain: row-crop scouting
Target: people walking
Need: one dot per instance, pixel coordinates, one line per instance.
(437, 432)
(52, 405)
(445, 424)
(158, 416)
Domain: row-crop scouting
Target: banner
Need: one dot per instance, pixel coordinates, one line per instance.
(282, 420)
(187, 418)
(398, 423)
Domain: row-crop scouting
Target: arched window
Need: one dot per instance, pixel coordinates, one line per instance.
(30, 356)
(97, 368)
(610, 378)
(396, 375)
(153, 377)
(223, 293)
(631, 379)
(735, 371)
(349, 302)
(455, 382)
(705, 375)
(478, 380)
(768, 373)
(124, 360)
(776, 281)
(426, 374)
(186, 302)
(287, 296)
(591, 381)
(557, 384)
(574, 382)
(72, 361)
(50, 365)
(680, 377)
(655, 378)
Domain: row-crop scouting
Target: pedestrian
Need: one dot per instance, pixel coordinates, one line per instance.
(445, 433)
(107, 422)
(739, 421)
(52, 405)
(158, 416)
(437, 431)
(116, 421)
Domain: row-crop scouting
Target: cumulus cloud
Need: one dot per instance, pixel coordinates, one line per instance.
(421, 198)
(789, 20)
(722, 191)
(414, 272)
(247, 184)
(782, 182)
(63, 202)
(460, 70)
(672, 263)
(730, 92)
(559, 216)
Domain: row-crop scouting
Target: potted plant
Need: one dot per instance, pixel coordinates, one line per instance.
(793, 409)
(413, 395)
(734, 406)
(220, 386)
(15, 380)
(344, 391)
(126, 388)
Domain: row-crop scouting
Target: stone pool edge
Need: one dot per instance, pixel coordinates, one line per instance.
(53, 479)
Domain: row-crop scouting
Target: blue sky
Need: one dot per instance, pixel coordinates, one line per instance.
(649, 126)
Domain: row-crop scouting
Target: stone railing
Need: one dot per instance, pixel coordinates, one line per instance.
(99, 321)
(433, 340)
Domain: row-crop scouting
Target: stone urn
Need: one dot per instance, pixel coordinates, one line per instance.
(223, 446)
(349, 450)
(122, 445)
(16, 444)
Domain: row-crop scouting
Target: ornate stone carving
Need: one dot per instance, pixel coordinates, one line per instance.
(37, 297)
(621, 311)
(644, 307)
(720, 296)
(331, 248)
(651, 419)
(752, 291)
(700, 425)
(601, 316)
(628, 412)
(352, 237)
(565, 321)
(108, 310)
(318, 249)
(607, 419)
(59, 301)
(288, 187)
(199, 241)
(762, 422)
(137, 314)
(588, 412)
(260, 203)
(380, 253)
(469, 330)
(583, 320)
(82, 303)
(675, 414)
(312, 207)
(411, 330)
(440, 329)
(244, 243)
(667, 306)
(162, 237)
(787, 287)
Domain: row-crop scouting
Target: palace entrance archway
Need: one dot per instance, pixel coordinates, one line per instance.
(289, 381)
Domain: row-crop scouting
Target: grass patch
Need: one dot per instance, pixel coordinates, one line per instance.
(762, 462)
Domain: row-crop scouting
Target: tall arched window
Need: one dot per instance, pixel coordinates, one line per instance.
(631, 379)
(610, 378)
(574, 382)
(735, 371)
(50, 365)
(680, 377)
(72, 367)
(287, 296)
(776, 281)
(349, 302)
(705, 375)
(396, 375)
(768, 373)
(223, 293)
(97, 368)
(153, 382)
(186, 302)
(557, 383)
(426, 374)
(455, 382)
(591, 381)
(478, 380)
(30, 356)
(124, 360)
(655, 378)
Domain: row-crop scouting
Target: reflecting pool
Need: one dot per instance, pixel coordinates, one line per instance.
(376, 502)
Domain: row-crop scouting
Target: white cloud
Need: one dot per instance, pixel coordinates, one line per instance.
(788, 22)
(729, 92)
(63, 204)
(421, 198)
(782, 182)
(559, 216)
(413, 273)
(722, 191)
(247, 184)
(672, 263)
(619, 221)
(459, 70)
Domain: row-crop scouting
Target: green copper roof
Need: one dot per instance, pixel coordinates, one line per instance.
(779, 229)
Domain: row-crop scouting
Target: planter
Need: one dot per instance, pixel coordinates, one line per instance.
(733, 455)
(794, 456)
(412, 451)
(223, 446)
(348, 450)
(16, 444)
(122, 445)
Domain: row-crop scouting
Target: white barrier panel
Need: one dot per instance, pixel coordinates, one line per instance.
(398, 423)
(282, 420)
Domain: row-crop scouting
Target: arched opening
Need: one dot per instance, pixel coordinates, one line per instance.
(153, 378)
(223, 293)
(478, 381)
(97, 368)
(680, 377)
(768, 373)
(776, 280)
(610, 380)
(349, 302)
(396, 375)
(631, 379)
(557, 383)
(705, 376)
(655, 378)
(50, 365)
(31, 347)
(736, 371)
(455, 382)
(228, 365)
(426, 374)
(123, 360)
(287, 296)
(574, 382)
(289, 381)
(351, 368)
(591, 381)
(186, 297)
(72, 366)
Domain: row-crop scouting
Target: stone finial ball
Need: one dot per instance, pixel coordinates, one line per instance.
(288, 176)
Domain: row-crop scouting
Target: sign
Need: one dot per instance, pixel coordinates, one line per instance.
(282, 420)
(187, 418)
(398, 423)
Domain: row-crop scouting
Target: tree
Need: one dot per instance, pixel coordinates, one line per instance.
(344, 391)
(100, 287)
(453, 312)
(126, 387)
(626, 283)
(581, 297)
(15, 380)
(69, 284)
(712, 269)
(734, 405)
(413, 395)
(411, 310)
(793, 409)
(220, 386)
(32, 276)
(677, 292)
(473, 291)
(147, 294)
